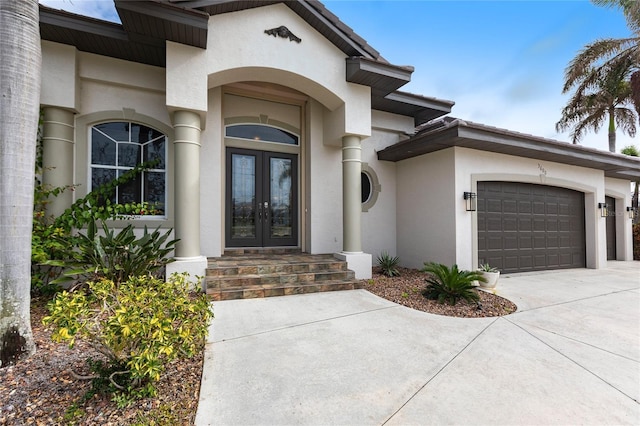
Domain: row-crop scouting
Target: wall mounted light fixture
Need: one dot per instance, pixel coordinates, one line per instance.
(604, 210)
(472, 201)
(632, 212)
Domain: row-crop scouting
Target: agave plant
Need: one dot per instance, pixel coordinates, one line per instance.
(450, 284)
(388, 264)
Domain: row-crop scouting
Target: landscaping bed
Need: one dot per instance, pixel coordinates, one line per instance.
(406, 289)
(42, 391)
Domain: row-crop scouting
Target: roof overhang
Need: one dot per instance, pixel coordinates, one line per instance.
(455, 132)
(421, 108)
(312, 11)
(380, 76)
(164, 21)
(141, 38)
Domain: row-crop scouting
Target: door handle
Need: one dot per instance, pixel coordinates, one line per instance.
(266, 210)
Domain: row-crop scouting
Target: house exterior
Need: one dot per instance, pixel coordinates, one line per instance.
(273, 125)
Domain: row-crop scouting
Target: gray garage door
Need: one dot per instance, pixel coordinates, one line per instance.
(526, 227)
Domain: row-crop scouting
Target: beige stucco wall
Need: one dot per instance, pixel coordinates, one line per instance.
(323, 187)
(434, 225)
(239, 50)
(212, 179)
(60, 83)
(621, 191)
(379, 221)
(426, 209)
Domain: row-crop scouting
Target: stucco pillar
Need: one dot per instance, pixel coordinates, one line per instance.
(57, 157)
(186, 149)
(352, 209)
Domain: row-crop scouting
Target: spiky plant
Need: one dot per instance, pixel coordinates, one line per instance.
(388, 264)
(449, 284)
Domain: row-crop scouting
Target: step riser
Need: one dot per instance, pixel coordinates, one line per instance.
(266, 280)
(252, 293)
(253, 273)
(226, 271)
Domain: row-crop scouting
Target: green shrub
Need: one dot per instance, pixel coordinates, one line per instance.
(450, 284)
(388, 264)
(53, 238)
(139, 326)
(115, 256)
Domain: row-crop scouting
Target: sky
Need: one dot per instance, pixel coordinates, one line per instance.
(501, 61)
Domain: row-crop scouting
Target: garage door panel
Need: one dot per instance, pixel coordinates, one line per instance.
(539, 224)
(510, 224)
(524, 206)
(527, 227)
(538, 207)
(524, 224)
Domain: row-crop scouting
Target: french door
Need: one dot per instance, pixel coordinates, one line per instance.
(261, 198)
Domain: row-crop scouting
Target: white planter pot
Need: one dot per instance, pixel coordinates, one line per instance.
(491, 277)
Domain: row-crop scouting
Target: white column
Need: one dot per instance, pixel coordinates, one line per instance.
(57, 157)
(357, 261)
(186, 148)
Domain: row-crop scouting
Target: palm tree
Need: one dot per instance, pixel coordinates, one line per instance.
(633, 151)
(606, 78)
(20, 59)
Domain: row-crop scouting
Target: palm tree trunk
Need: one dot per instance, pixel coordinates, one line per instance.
(20, 59)
(612, 130)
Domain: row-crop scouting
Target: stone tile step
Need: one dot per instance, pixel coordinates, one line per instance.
(256, 259)
(261, 251)
(283, 290)
(245, 280)
(230, 268)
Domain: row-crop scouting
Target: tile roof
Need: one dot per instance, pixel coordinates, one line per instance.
(448, 132)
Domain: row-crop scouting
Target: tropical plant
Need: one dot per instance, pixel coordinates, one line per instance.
(597, 69)
(113, 256)
(485, 267)
(54, 238)
(20, 67)
(138, 325)
(601, 95)
(450, 285)
(388, 264)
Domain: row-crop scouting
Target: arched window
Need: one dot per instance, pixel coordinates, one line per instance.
(119, 146)
(260, 132)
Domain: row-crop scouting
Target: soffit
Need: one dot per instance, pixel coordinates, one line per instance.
(454, 132)
(97, 36)
(421, 108)
(160, 20)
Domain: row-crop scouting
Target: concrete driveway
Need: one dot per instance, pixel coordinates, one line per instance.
(569, 355)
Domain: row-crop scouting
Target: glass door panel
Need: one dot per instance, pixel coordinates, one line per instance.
(243, 197)
(261, 199)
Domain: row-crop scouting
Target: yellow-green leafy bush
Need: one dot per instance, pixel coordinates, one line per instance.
(139, 325)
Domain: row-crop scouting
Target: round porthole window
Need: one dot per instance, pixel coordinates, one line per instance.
(370, 187)
(366, 187)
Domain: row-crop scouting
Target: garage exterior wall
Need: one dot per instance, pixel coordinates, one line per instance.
(433, 225)
(621, 191)
(428, 211)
